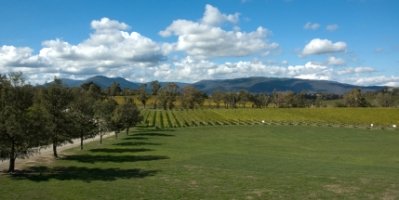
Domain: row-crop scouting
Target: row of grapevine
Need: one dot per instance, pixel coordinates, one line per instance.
(347, 117)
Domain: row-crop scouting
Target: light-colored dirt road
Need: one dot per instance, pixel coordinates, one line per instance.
(45, 155)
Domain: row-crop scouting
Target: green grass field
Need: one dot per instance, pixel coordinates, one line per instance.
(215, 162)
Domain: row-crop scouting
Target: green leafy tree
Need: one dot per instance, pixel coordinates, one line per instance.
(93, 89)
(155, 86)
(143, 97)
(82, 114)
(167, 96)
(354, 98)
(191, 97)
(243, 98)
(385, 99)
(260, 100)
(17, 134)
(114, 89)
(56, 100)
(217, 97)
(126, 116)
(103, 109)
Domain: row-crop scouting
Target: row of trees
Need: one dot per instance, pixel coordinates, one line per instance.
(189, 97)
(31, 117)
(167, 96)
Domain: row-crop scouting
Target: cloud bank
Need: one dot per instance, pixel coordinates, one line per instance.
(212, 47)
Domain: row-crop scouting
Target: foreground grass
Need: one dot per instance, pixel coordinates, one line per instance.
(233, 162)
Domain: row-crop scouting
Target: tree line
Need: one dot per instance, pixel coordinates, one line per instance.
(170, 96)
(33, 117)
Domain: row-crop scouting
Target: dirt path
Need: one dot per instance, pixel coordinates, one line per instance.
(45, 155)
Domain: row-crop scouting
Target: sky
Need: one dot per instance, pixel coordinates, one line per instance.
(349, 41)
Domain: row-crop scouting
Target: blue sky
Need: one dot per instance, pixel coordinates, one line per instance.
(351, 41)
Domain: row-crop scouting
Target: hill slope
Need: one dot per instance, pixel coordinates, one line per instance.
(251, 84)
(268, 85)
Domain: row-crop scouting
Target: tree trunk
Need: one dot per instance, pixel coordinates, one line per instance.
(116, 134)
(101, 138)
(55, 148)
(81, 141)
(127, 131)
(11, 167)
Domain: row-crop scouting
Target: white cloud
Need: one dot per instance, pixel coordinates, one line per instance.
(392, 81)
(332, 60)
(322, 46)
(112, 50)
(205, 39)
(108, 25)
(109, 50)
(356, 70)
(191, 70)
(311, 26)
(213, 17)
(332, 27)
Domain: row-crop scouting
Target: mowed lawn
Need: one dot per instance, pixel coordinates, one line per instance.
(224, 162)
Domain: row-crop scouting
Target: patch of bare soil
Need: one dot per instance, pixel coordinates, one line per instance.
(339, 189)
(391, 193)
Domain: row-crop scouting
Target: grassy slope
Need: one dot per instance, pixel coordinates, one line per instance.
(237, 162)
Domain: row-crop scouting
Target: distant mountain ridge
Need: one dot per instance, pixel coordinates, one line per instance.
(269, 85)
(250, 84)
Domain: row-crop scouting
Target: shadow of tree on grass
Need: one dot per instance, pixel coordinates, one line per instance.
(135, 138)
(126, 150)
(113, 158)
(135, 143)
(153, 134)
(85, 174)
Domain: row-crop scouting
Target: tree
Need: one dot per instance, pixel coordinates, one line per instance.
(299, 100)
(93, 89)
(114, 89)
(82, 114)
(56, 100)
(217, 98)
(260, 100)
(230, 100)
(156, 86)
(354, 98)
(103, 109)
(167, 96)
(192, 97)
(17, 135)
(143, 95)
(384, 98)
(126, 116)
(283, 99)
(242, 98)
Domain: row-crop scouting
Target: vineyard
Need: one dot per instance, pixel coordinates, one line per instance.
(335, 117)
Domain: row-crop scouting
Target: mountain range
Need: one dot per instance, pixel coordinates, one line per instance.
(250, 84)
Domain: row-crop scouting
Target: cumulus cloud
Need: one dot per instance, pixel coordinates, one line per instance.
(332, 60)
(213, 17)
(332, 27)
(311, 26)
(109, 47)
(205, 38)
(323, 46)
(113, 50)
